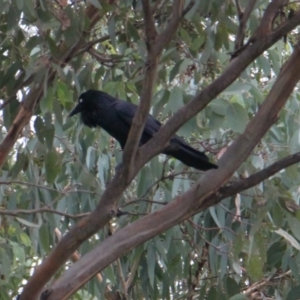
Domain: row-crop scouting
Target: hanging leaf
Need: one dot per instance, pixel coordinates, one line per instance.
(294, 293)
(254, 267)
(52, 165)
(39, 129)
(238, 297)
(237, 117)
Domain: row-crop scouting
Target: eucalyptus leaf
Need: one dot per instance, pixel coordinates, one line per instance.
(237, 117)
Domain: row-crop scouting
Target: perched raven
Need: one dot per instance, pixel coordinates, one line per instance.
(115, 116)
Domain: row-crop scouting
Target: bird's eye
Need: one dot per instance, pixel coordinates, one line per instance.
(80, 100)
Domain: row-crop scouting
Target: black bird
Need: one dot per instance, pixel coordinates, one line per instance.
(115, 116)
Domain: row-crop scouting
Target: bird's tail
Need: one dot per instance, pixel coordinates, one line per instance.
(190, 157)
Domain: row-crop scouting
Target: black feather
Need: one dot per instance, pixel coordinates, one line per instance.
(115, 116)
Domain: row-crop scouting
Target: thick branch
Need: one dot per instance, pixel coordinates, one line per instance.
(270, 14)
(149, 23)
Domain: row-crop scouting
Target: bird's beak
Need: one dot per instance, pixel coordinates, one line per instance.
(77, 109)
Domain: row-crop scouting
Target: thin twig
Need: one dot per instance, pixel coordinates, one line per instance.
(143, 200)
(165, 37)
(188, 7)
(39, 186)
(15, 213)
(170, 176)
(122, 279)
(210, 228)
(133, 271)
(243, 18)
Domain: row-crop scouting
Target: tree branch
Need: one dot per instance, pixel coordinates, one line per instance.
(39, 186)
(243, 18)
(260, 176)
(266, 24)
(20, 121)
(16, 212)
(142, 112)
(165, 37)
(188, 7)
(133, 271)
(122, 279)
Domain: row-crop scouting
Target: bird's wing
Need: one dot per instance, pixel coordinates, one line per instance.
(126, 112)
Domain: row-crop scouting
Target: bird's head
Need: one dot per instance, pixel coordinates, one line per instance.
(86, 102)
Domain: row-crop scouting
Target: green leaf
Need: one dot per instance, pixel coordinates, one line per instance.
(112, 33)
(20, 4)
(237, 117)
(111, 88)
(254, 267)
(231, 286)
(275, 254)
(185, 35)
(264, 64)
(18, 252)
(288, 237)
(257, 94)
(151, 260)
(27, 223)
(21, 163)
(197, 43)
(96, 3)
(212, 211)
(174, 72)
(212, 294)
(219, 106)
(237, 245)
(237, 87)
(13, 16)
(294, 225)
(260, 246)
(5, 263)
(65, 95)
(49, 130)
(39, 129)
(294, 293)
(52, 166)
(10, 74)
(295, 141)
(275, 59)
(25, 239)
(238, 297)
(44, 237)
(175, 101)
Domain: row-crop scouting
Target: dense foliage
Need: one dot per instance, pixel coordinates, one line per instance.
(57, 170)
